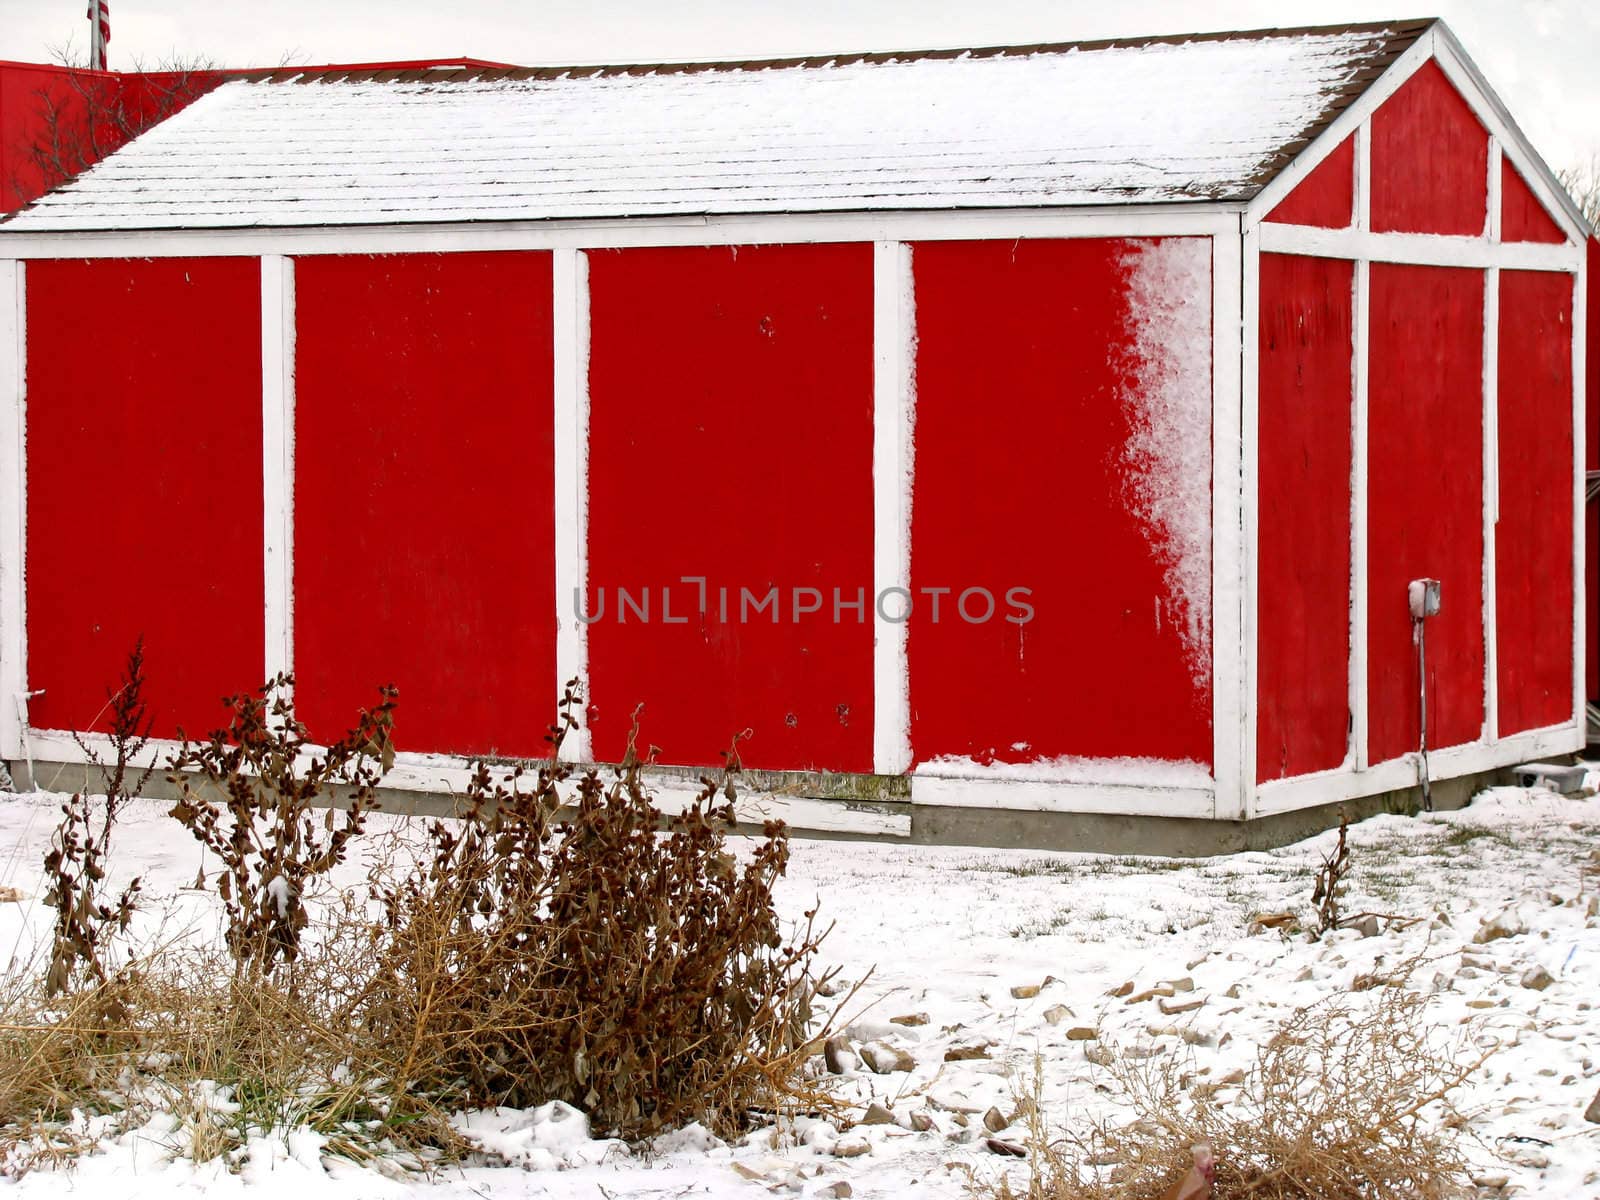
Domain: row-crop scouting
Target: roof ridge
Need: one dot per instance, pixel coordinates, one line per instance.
(1403, 31)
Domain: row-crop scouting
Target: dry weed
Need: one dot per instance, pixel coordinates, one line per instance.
(1346, 1101)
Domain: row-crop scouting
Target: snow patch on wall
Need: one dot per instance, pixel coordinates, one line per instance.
(1132, 772)
(1167, 401)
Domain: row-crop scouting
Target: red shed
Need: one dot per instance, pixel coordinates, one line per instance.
(1048, 430)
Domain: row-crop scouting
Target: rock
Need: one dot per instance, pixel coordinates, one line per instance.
(851, 1146)
(1189, 966)
(1493, 1182)
(1507, 923)
(1181, 1006)
(1057, 1013)
(921, 1122)
(967, 1053)
(994, 1120)
(1367, 926)
(1160, 989)
(830, 987)
(1306, 975)
(883, 1059)
(1181, 985)
(1009, 1149)
(1082, 1033)
(1099, 1055)
(838, 1189)
(910, 1019)
(1480, 1003)
(1025, 991)
(877, 1114)
(1592, 909)
(10, 895)
(1233, 993)
(839, 1055)
(1592, 1113)
(1125, 989)
(1537, 978)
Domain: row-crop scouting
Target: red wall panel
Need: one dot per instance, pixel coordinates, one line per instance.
(144, 485)
(1533, 540)
(1522, 217)
(1325, 197)
(1425, 502)
(1028, 354)
(1430, 159)
(1303, 624)
(731, 438)
(424, 505)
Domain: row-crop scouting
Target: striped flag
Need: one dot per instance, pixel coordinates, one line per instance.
(99, 33)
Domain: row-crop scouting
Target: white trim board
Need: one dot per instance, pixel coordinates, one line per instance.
(13, 508)
(570, 341)
(1333, 787)
(1233, 713)
(1419, 249)
(1171, 220)
(893, 416)
(277, 459)
(1053, 796)
(446, 776)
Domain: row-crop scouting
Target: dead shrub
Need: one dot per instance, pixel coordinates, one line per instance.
(264, 829)
(1340, 1105)
(617, 959)
(75, 865)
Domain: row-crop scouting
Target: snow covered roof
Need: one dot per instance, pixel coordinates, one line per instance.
(1202, 117)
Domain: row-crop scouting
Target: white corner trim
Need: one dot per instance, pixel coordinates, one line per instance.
(1420, 249)
(1491, 495)
(1250, 471)
(893, 417)
(1233, 714)
(13, 507)
(570, 334)
(277, 459)
(1580, 330)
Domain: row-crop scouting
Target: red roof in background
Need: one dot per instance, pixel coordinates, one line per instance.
(73, 116)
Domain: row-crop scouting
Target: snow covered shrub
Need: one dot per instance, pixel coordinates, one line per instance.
(595, 952)
(266, 829)
(75, 865)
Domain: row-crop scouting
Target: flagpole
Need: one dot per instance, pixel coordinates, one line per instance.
(99, 19)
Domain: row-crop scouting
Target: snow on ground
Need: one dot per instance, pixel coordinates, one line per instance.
(949, 933)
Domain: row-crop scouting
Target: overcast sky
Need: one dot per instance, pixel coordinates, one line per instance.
(1542, 55)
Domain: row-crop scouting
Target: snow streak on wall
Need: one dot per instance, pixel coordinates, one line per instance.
(1063, 445)
(144, 485)
(730, 410)
(424, 507)
(1166, 398)
(1303, 621)
(1533, 545)
(1425, 503)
